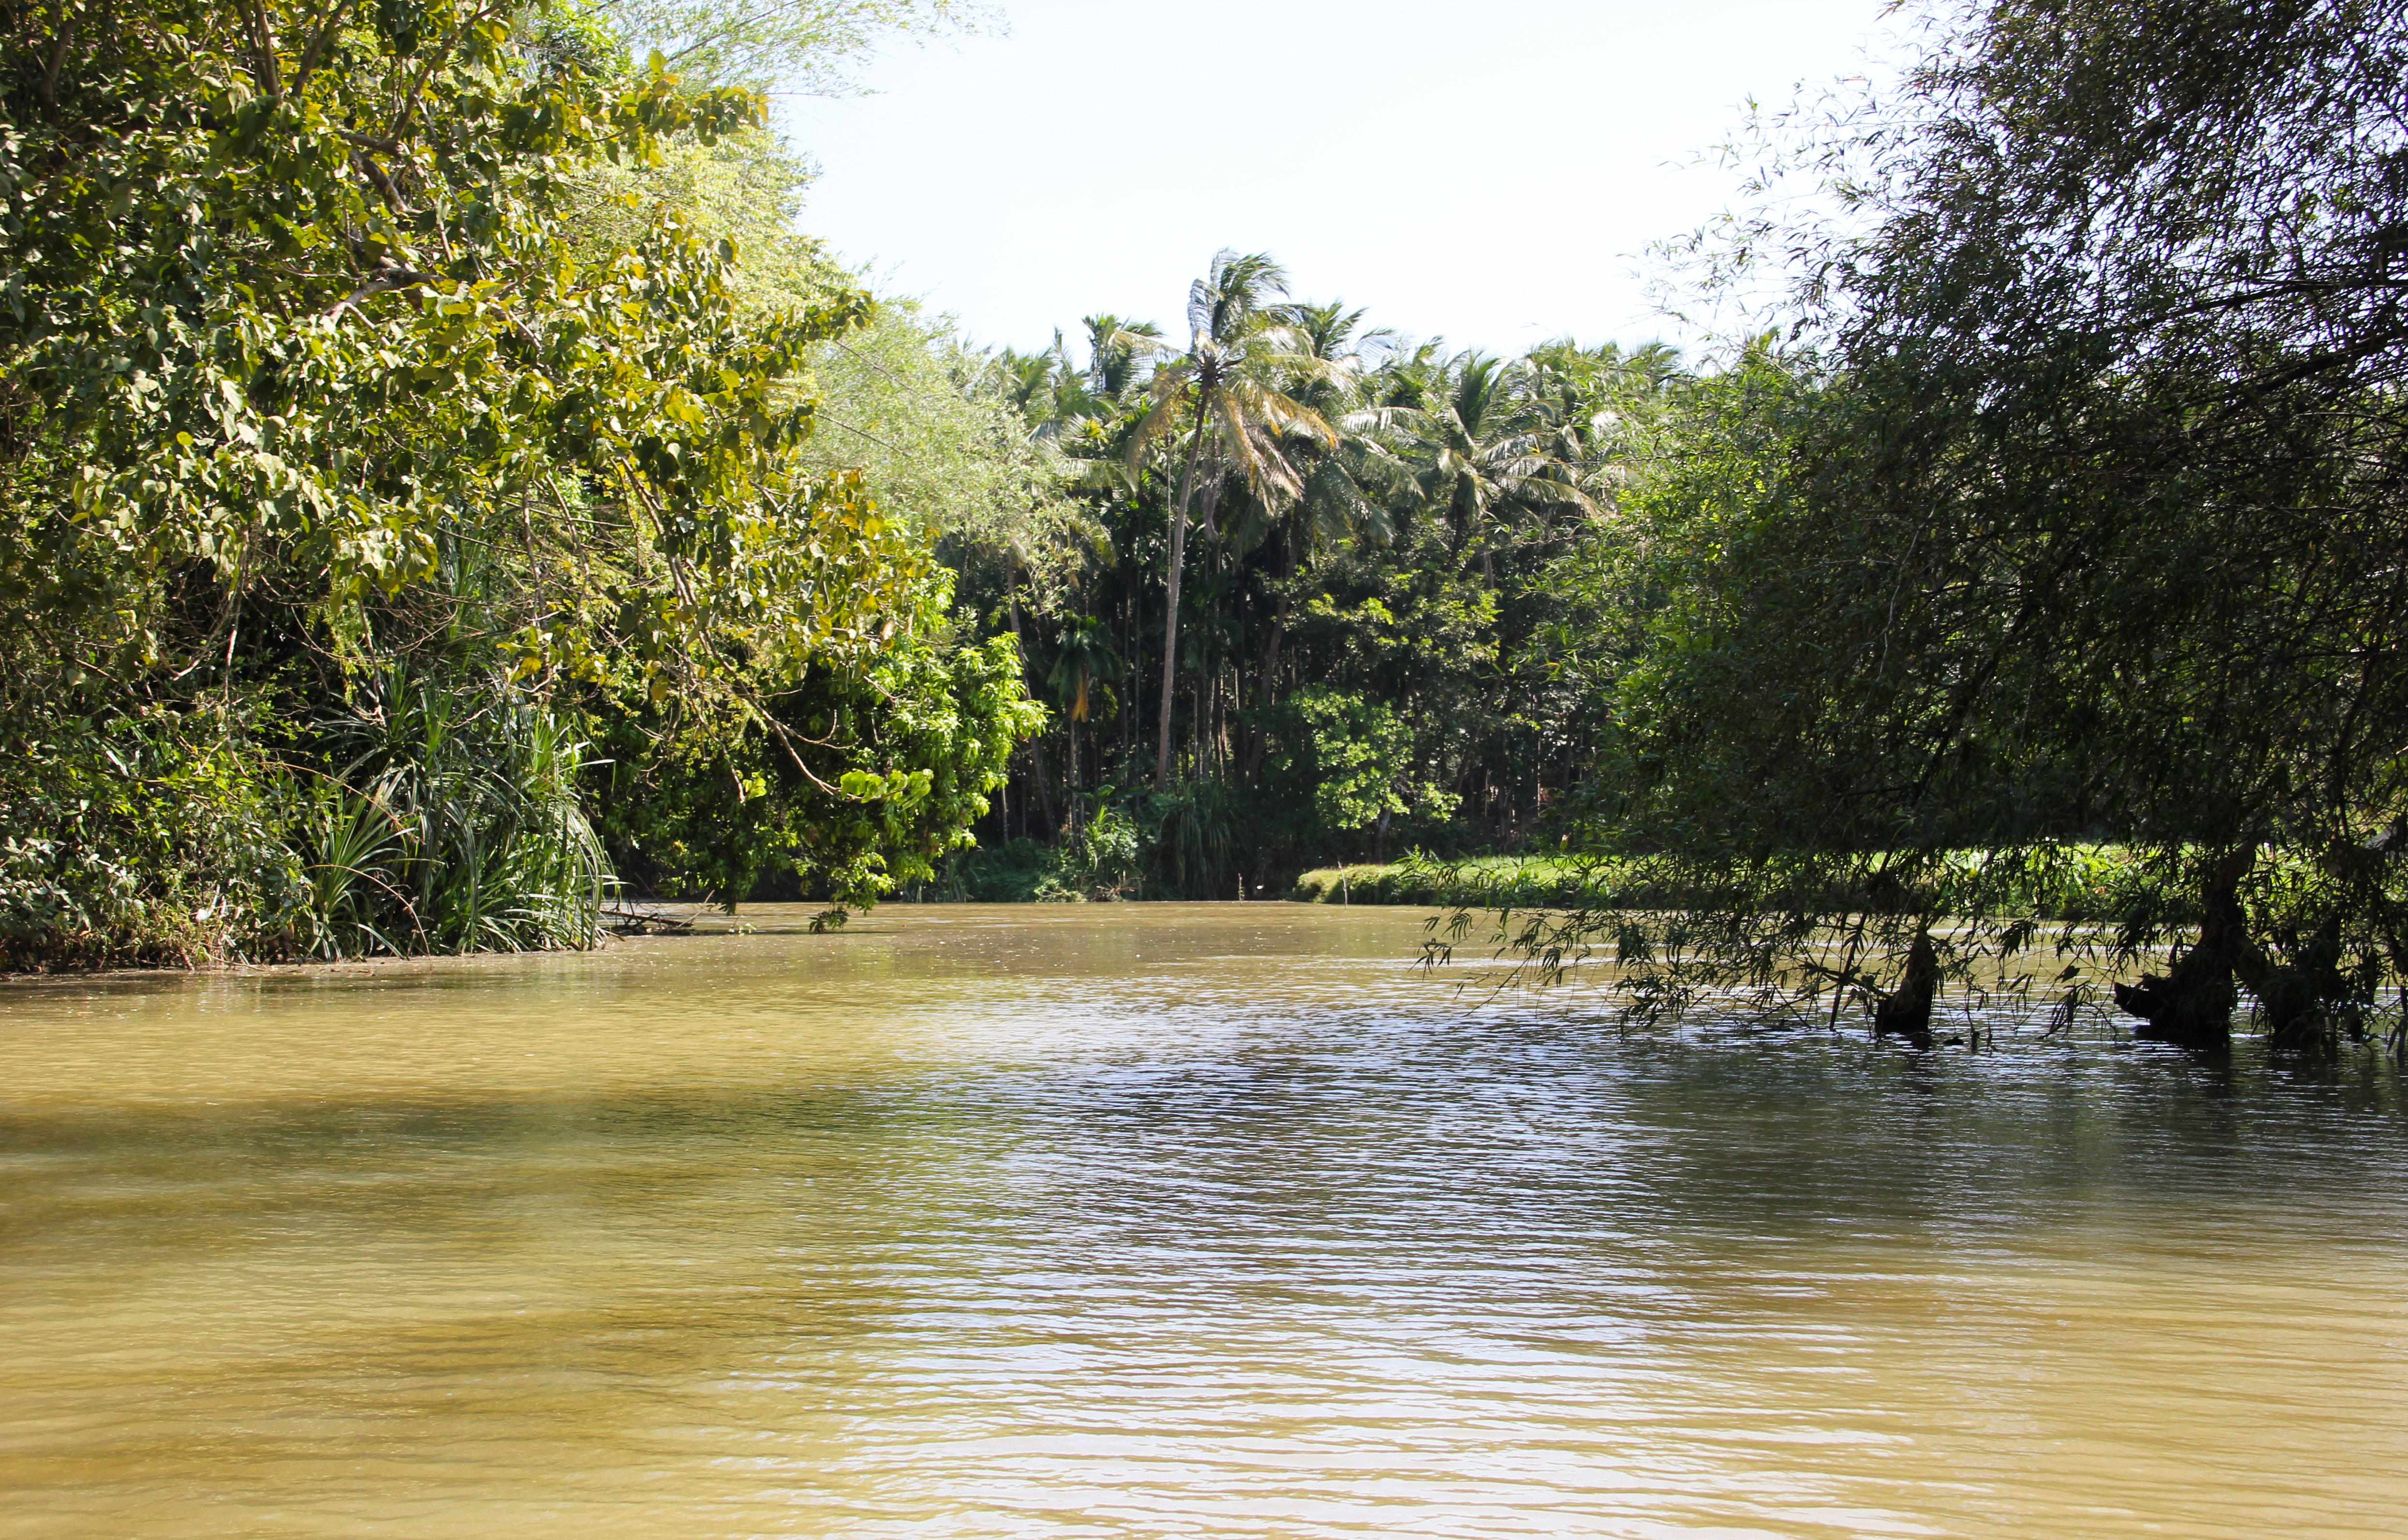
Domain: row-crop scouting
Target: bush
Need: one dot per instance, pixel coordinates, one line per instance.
(156, 839)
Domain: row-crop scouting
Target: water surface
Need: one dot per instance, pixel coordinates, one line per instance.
(1157, 1220)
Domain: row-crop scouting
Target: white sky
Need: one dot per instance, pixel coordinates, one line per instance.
(1492, 172)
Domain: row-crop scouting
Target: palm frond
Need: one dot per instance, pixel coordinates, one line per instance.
(1169, 395)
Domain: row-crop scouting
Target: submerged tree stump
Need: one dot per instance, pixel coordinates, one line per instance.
(1906, 1010)
(2191, 1006)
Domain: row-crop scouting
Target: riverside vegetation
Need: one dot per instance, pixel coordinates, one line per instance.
(414, 522)
(443, 487)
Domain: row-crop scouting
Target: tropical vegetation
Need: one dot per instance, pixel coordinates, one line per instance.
(415, 519)
(445, 489)
(1318, 597)
(2065, 510)
(2056, 520)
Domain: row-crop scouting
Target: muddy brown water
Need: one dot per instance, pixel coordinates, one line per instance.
(1158, 1220)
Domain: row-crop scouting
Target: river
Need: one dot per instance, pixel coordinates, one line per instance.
(1158, 1220)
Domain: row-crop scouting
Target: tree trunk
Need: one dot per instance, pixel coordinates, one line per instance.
(1906, 1010)
(1037, 745)
(1044, 794)
(1216, 718)
(1266, 680)
(1171, 607)
(1213, 474)
(2306, 1000)
(2191, 1006)
(1127, 695)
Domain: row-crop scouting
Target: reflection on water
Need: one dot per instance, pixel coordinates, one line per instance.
(1148, 1220)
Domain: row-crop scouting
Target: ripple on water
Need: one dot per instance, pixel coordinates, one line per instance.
(1157, 1220)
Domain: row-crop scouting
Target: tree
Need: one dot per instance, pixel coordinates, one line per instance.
(317, 361)
(1082, 657)
(1363, 763)
(2081, 519)
(1484, 450)
(1338, 481)
(843, 783)
(812, 44)
(1229, 378)
(360, 338)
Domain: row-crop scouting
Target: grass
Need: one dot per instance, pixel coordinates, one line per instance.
(1484, 881)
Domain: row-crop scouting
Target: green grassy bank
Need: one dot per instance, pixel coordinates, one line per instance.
(1499, 881)
(2098, 882)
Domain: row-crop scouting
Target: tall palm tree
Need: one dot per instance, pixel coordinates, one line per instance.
(1239, 356)
(1330, 358)
(1117, 353)
(1342, 486)
(1579, 402)
(1096, 408)
(1031, 382)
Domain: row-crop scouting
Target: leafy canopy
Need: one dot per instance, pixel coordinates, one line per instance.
(2073, 511)
(288, 287)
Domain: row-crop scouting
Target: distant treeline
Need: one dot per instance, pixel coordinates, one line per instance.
(1312, 591)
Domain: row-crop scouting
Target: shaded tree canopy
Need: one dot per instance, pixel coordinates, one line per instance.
(2073, 512)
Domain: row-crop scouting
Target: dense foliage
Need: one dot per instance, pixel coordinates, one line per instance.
(2073, 511)
(441, 484)
(368, 458)
(1323, 598)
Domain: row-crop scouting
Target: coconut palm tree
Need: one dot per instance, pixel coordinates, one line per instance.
(1096, 408)
(1344, 486)
(1233, 380)
(1330, 359)
(1117, 353)
(1578, 401)
(1486, 449)
(1032, 381)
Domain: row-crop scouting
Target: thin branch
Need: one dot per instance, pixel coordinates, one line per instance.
(309, 55)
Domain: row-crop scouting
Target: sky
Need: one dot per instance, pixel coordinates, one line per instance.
(1493, 173)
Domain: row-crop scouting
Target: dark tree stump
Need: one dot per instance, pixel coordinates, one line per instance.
(2192, 1005)
(1906, 1010)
